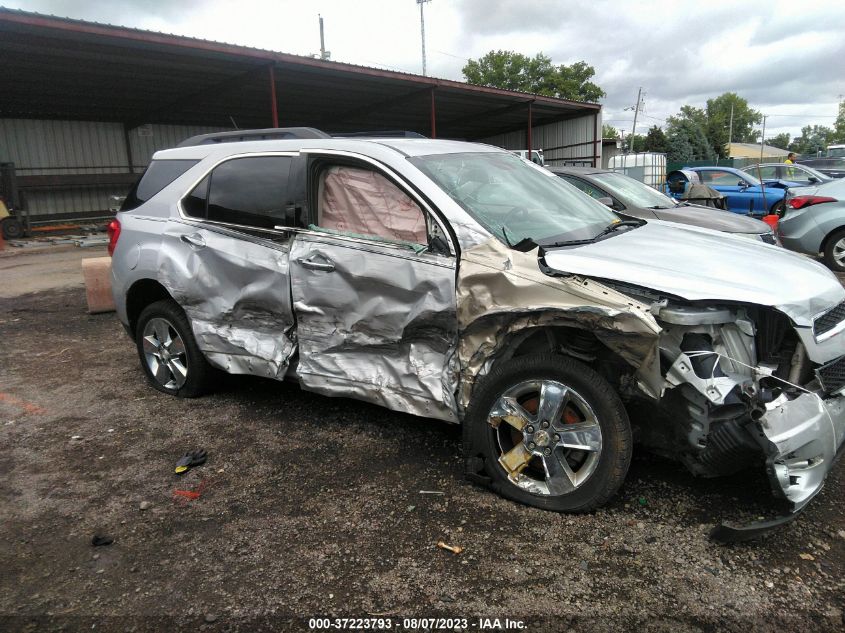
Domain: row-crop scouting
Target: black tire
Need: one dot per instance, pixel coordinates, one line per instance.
(482, 442)
(830, 251)
(778, 208)
(12, 229)
(198, 378)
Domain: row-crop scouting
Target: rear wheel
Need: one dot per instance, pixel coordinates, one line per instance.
(169, 353)
(834, 251)
(12, 228)
(778, 208)
(549, 432)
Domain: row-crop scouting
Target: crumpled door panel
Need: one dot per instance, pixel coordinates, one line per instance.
(235, 291)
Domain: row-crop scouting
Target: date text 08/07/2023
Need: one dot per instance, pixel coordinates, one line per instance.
(416, 624)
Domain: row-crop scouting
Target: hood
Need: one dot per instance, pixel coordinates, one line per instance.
(701, 265)
(715, 219)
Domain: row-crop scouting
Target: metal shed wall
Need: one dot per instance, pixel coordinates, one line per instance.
(50, 148)
(569, 142)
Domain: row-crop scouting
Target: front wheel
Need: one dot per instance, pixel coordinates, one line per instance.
(834, 252)
(549, 432)
(169, 353)
(12, 229)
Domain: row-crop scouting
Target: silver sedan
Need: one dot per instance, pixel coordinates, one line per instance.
(814, 222)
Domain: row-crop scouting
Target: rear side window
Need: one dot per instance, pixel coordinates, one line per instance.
(158, 175)
(244, 191)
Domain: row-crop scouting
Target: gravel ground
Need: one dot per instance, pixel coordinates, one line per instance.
(311, 506)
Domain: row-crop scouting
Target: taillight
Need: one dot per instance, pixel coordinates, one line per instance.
(113, 229)
(799, 202)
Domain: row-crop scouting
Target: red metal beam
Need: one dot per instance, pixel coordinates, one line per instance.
(530, 125)
(274, 110)
(433, 116)
(596, 140)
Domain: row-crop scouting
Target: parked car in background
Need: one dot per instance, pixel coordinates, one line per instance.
(814, 222)
(744, 193)
(832, 164)
(631, 198)
(801, 175)
(458, 282)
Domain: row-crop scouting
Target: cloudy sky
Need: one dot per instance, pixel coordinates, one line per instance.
(785, 57)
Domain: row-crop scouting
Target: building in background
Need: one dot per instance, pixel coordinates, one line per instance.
(85, 105)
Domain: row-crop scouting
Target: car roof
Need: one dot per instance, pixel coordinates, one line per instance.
(575, 171)
(405, 146)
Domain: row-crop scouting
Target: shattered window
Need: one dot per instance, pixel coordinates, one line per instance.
(362, 202)
(514, 199)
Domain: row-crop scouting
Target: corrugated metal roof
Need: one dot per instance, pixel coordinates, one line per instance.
(58, 67)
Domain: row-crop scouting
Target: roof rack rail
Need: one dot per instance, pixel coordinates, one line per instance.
(267, 134)
(380, 134)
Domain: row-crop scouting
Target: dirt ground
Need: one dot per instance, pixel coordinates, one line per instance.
(311, 506)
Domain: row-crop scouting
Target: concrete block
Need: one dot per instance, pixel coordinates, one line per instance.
(97, 274)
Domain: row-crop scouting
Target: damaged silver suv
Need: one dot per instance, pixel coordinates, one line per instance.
(457, 281)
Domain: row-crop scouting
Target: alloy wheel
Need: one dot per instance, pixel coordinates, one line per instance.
(164, 352)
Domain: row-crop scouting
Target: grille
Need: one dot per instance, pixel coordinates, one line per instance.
(829, 320)
(768, 238)
(832, 375)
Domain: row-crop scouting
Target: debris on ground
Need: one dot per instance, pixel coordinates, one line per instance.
(100, 540)
(455, 549)
(145, 505)
(191, 460)
(189, 495)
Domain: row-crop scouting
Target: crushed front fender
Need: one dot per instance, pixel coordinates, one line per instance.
(801, 439)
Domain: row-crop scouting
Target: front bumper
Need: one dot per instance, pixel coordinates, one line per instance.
(801, 439)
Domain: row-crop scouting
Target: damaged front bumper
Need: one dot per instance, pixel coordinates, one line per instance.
(801, 439)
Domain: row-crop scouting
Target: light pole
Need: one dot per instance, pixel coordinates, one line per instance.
(422, 30)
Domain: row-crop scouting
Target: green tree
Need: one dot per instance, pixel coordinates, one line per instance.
(780, 140)
(718, 125)
(839, 124)
(655, 141)
(813, 139)
(538, 75)
(686, 136)
(608, 131)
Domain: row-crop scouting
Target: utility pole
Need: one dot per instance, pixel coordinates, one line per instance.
(763, 138)
(636, 112)
(324, 54)
(422, 31)
(731, 131)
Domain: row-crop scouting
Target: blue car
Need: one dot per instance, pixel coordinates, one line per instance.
(744, 193)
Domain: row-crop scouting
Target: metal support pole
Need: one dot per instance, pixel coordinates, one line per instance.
(596, 142)
(422, 31)
(433, 115)
(128, 143)
(530, 140)
(273, 106)
(636, 112)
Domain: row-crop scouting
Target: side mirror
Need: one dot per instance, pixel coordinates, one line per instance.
(606, 201)
(742, 184)
(813, 179)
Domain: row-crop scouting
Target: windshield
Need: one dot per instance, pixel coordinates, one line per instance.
(515, 200)
(836, 152)
(632, 192)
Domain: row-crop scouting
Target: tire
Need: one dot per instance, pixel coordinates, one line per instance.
(12, 229)
(834, 251)
(592, 404)
(778, 208)
(185, 372)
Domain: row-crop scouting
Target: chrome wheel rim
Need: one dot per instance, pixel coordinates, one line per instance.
(839, 252)
(549, 438)
(164, 352)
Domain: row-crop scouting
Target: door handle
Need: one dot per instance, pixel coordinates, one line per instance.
(195, 240)
(326, 266)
